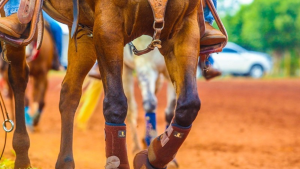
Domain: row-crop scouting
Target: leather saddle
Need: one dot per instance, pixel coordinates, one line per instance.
(159, 7)
(29, 13)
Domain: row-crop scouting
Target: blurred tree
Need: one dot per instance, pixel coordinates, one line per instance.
(270, 26)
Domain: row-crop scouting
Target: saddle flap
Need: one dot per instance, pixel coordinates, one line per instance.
(26, 10)
(33, 25)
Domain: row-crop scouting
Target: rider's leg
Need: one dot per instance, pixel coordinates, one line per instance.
(11, 25)
(57, 33)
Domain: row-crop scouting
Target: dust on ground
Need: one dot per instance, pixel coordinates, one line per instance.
(243, 124)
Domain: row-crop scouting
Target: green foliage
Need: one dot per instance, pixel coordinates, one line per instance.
(8, 164)
(268, 25)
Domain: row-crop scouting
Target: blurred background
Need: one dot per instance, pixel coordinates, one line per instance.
(249, 117)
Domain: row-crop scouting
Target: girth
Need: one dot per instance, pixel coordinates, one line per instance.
(29, 12)
(159, 8)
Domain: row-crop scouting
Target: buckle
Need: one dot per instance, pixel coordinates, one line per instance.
(155, 43)
(154, 25)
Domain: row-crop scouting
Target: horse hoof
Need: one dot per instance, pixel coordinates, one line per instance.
(141, 161)
(173, 164)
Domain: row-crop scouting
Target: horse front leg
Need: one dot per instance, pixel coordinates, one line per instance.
(18, 73)
(181, 56)
(79, 64)
(109, 42)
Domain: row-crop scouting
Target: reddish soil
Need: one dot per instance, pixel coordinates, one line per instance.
(243, 124)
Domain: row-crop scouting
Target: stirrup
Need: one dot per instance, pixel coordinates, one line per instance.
(29, 11)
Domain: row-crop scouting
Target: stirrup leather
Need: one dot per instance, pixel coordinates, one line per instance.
(29, 12)
(158, 9)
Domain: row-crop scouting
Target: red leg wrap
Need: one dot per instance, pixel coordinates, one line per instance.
(163, 149)
(116, 151)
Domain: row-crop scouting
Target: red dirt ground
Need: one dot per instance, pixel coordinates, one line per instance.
(243, 124)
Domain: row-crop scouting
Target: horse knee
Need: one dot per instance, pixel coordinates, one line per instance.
(115, 108)
(69, 97)
(150, 104)
(187, 109)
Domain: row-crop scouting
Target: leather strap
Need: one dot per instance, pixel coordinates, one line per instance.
(158, 9)
(40, 32)
(75, 17)
(2, 3)
(26, 10)
(33, 26)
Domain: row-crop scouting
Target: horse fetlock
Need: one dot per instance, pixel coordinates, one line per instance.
(187, 110)
(21, 143)
(149, 105)
(115, 109)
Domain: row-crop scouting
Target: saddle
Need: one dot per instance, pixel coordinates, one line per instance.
(29, 12)
(159, 8)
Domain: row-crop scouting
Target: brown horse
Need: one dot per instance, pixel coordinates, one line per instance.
(114, 24)
(39, 63)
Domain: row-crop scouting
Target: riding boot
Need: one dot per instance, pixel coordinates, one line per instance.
(162, 149)
(116, 151)
(212, 36)
(210, 73)
(11, 26)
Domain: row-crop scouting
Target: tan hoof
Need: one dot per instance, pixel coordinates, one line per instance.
(141, 161)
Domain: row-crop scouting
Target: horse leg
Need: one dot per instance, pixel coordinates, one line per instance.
(147, 77)
(128, 84)
(80, 62)
(109, 42)
(171, 103)
(18, 77)
(181, 56)
(40, 84)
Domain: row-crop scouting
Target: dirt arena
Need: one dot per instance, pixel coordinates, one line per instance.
(243, 124)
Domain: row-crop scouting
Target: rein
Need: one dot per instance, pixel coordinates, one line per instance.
(6, 119)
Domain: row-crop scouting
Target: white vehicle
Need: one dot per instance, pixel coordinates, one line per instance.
(238, 61)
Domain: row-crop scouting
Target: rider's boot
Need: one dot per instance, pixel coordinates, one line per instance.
(162, 149)
(116, 151)
(11, 26)
(212, 36)
(210, 73)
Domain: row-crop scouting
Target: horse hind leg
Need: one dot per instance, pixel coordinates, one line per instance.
(128, 84)
(18, 73)
(182, 65)
(147, 77)
(40, 84)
